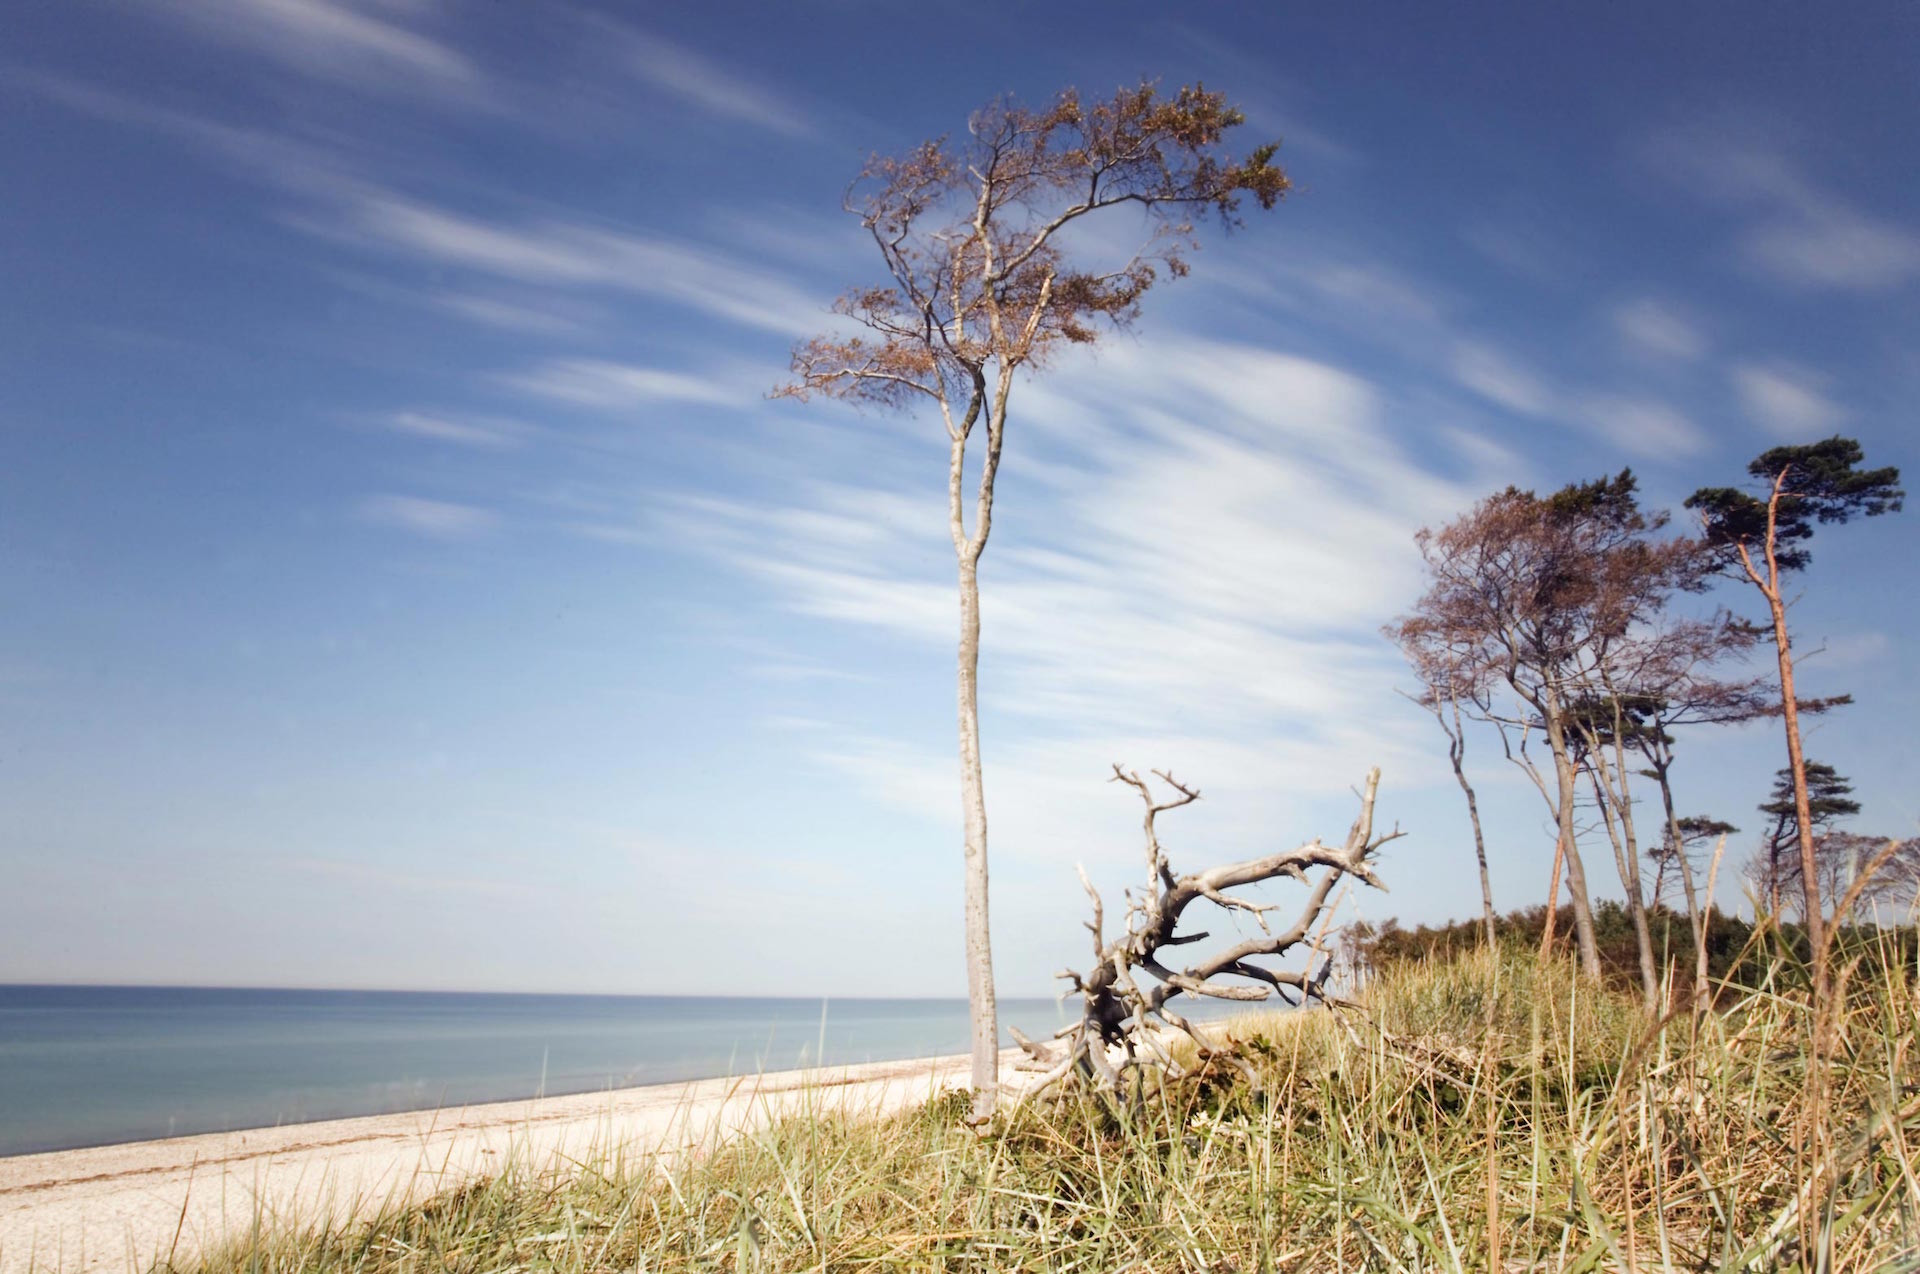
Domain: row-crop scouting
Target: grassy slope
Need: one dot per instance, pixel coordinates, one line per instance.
(1603, 1141)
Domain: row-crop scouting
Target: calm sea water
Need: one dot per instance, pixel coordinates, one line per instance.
(87, 1066)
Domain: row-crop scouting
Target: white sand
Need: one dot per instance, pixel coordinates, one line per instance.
(120, 1208)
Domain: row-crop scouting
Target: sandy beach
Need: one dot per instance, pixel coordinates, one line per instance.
(124, 1207)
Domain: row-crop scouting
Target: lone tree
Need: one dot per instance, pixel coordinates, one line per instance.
(1764, 536)
(981, 283)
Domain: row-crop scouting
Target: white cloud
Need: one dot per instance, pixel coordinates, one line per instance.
(337, 203)
(679, 71)
(258, 155)
(1829, 245)
(1374, 290)
(507, 315)
(1218, 553)
(480, 432)
(1052, 798)
(1526, 251)
(576, 254)
(1500, 380)
(1655, 327)
(330, 39)
(591, 382)
(1788, 400)
(1795, 230)
(1642, 427)
(435, 519)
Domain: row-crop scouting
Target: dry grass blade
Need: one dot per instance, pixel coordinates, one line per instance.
(1620, 1145)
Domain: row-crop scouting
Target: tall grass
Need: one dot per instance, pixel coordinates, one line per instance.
(1487, 1112)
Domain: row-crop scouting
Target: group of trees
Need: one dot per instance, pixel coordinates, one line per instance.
(1561, 622)
(1549, 618)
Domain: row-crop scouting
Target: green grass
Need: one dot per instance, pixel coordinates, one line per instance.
(1604, 1140)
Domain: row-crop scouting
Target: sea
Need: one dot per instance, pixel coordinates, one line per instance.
(95, 1065)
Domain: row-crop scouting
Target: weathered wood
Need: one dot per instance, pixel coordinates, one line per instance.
(1121, 1016)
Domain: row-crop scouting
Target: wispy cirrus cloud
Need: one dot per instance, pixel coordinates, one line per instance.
(1642, 426)
(568, 253)
(332, 199)
(1374, 289)
(680, 72)
(1794, 230)
(433, 519)
(1501, 379)
(335, 40)
(485, 432)
(1224, 528)
(269, 158)
(1788, 400)
(593, 382)
(1651, 326)
(1223, 550)
(511, 316)
(1525, 249)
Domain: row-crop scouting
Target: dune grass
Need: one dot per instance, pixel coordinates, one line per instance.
(1489, 1112)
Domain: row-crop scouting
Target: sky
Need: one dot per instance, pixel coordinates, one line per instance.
(407, 581)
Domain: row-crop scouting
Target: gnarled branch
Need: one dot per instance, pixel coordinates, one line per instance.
(1118, 1036)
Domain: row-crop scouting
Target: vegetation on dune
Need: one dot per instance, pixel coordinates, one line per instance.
(1483, 1112)
(1686, 1090)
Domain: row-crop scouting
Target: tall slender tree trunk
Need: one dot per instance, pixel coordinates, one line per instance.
(1563, 811)
(984, 1051)
(1699, 918)
(1480, 852)
(1456, 751)
(1614, 809)
(1815, 918)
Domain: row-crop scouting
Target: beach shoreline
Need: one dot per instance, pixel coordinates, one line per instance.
(125, 1207)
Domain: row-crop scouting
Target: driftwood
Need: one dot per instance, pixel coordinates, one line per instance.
(1125, 1025)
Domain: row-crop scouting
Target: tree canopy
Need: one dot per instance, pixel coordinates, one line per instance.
(1817, 483)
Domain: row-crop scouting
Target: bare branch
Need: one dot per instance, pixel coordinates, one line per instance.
(1116, 1034)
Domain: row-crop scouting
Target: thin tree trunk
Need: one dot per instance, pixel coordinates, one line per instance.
(1630, 842)
(1816, 1135)
(1815, 917)
(1616, 807)
(1698, 918)
(982, 1015)
(1626, 858)
(1769, 586)
(1480, 852)
(1456, 752)
(985, 1033)
(1576, 870)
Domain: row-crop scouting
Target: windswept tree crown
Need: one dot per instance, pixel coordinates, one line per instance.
(1818, 483)
(971, 237)
(1523, 582)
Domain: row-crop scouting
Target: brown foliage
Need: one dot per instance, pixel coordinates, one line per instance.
(971, 237)
(1534, 591)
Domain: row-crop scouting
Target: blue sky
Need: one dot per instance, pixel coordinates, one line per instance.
(406, 581)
